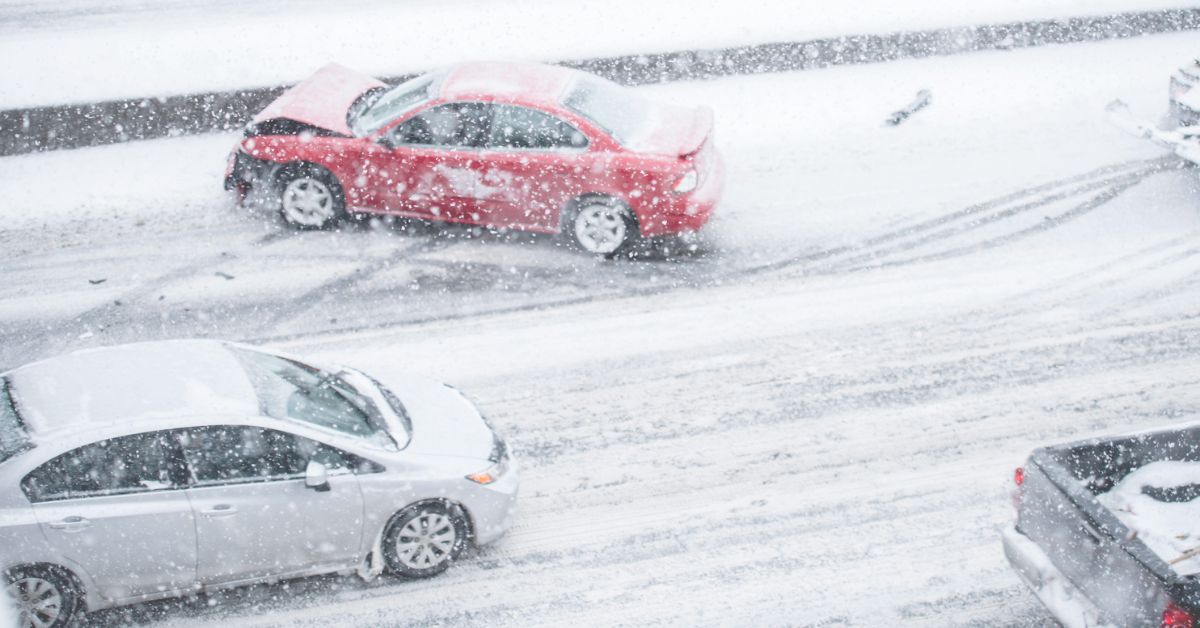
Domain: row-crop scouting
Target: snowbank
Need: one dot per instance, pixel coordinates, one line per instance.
(76, 53)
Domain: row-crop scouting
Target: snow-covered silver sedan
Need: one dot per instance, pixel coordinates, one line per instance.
(150, 470)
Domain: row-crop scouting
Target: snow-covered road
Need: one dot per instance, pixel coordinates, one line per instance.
(810, 419)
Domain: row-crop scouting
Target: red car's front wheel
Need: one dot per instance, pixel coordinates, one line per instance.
(310, 197)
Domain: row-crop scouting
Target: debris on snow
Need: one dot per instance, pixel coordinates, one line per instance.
(922, 101)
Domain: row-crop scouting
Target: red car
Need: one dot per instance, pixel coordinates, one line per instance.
(505, 145)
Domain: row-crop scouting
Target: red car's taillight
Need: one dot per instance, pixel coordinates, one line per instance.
(1176, 617)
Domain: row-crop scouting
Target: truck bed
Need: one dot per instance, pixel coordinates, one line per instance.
(1107, 515)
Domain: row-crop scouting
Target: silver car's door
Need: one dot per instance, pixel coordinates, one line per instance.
(118, 510)
(254, 515)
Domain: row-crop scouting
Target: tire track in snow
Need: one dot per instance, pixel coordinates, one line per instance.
(830, 261)
(112, 313)
(1110, 189)
(315, 296)
(980, 215)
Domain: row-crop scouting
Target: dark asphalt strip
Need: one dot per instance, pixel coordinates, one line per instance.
(33, 129)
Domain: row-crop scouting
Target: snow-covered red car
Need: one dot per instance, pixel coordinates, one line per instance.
(505, 145)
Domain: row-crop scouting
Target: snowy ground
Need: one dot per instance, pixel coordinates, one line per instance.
(168, 47)
(810, 419)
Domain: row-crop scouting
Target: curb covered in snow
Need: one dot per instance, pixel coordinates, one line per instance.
(72, 126)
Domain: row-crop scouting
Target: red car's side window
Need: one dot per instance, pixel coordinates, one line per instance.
(522, 127)
(457, 125)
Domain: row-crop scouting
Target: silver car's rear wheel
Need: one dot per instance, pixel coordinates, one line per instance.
(41, 599)
(602, 226)
(424, 540)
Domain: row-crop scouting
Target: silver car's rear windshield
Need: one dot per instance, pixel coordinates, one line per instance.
(292, 391)
(617, 110)
(393, 103)
(13, 438)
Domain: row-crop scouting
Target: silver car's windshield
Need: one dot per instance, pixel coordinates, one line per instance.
(13, 439)
(617, 110)
(394, 103)
(292, 391)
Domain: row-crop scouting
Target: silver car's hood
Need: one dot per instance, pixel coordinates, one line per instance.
(444, 422)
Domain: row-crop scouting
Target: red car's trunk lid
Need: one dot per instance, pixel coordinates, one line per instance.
(677, 131)
(322, 99)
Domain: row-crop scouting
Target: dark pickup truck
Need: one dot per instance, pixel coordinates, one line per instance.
(1108, 530)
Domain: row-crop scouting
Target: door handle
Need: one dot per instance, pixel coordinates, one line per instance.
(220, 510)
(74, 523)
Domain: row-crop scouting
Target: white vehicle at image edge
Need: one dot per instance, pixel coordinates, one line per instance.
(151, 470)
(1184, 101)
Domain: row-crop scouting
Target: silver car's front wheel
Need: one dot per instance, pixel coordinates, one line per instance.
(424, 540)
(602, 227)
(41, 600)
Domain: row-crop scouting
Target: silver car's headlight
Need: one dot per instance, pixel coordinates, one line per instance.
(499, 459)
(492, 473)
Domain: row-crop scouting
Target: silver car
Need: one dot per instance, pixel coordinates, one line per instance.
(150, 470)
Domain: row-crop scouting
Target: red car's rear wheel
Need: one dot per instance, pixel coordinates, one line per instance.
(601, 226)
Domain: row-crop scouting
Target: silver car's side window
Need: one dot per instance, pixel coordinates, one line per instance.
(117, 466)
(230, 454)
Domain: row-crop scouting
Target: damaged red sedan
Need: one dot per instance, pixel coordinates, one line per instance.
(503, 145)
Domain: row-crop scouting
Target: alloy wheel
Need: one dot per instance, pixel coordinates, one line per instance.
(38, 602)
(601, 229)
(426, 540)
(308, 202)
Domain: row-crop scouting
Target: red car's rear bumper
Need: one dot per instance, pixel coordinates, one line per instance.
(691, 211)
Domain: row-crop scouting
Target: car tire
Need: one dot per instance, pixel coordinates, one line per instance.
(601, 225)
(423, 540)
(310, 197)
(44, 593)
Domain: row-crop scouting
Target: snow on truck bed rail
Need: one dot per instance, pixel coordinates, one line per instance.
(93, 50)
(1161, 503)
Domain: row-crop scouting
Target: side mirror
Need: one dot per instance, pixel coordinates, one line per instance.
(386, 141)
(316, 477)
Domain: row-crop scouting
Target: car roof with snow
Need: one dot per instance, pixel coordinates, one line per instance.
(532, 82)
(115, 386)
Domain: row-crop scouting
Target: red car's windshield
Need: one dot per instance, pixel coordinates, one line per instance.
(394, 103)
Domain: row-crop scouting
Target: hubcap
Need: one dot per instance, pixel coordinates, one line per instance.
(38, 602)
(307, 202)
(426, 540)
(600, 228)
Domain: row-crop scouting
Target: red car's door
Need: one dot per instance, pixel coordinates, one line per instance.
(535, 163)
(429, 165)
